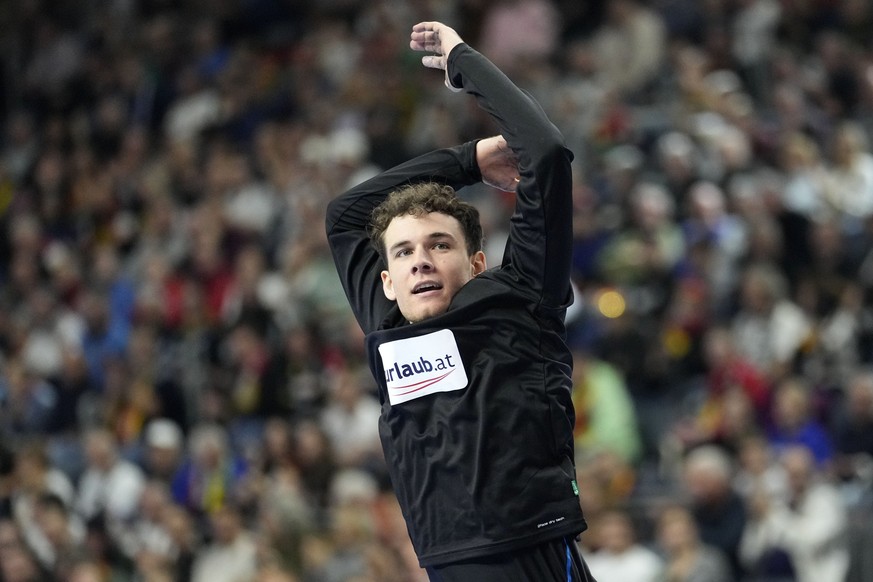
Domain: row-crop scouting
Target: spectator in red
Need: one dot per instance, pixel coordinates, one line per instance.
(728, 370)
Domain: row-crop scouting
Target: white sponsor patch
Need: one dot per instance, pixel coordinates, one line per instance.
(423, 365)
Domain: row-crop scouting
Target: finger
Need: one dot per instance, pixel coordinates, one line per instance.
(434, 62)
(425, 42)
(425, 26)
(426, 36)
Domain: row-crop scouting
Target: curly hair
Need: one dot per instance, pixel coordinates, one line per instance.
(421, 199)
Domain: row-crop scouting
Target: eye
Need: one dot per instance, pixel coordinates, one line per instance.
(442, 246)
(402, 253)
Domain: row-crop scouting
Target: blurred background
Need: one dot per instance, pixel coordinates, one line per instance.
(183, 390)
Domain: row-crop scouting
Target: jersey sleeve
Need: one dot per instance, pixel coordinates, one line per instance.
(358, 263)
(539, 248)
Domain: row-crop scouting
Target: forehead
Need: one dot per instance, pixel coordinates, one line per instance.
(409, 227)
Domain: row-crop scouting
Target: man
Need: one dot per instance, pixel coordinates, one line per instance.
(472, 367)
(718, 510)
(232, 554)
(619, 555)
(111, 485)
(810, 527)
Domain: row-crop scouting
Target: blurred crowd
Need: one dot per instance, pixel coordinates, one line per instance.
(183, 392)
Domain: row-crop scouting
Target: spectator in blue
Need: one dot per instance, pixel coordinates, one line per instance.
(101, 341)
(794, 422)
(212, 475)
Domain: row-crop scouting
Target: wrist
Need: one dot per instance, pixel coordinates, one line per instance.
(454, 82)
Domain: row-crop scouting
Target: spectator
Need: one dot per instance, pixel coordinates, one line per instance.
(805, 174)
(630, 48)
(110, 486)
(709, 226)
(687, 558)
(295, 372)
(146, 533)
(17, 563)
(645, 254)
(106, 273)
(605, 415)
(831, 297)
(64, 540)
(152, 374)
(250, 399)
(849, 188)
(163, 451)
(21, 144)
(316, 461)
(677, 161)
(186, 539)
(809, 528)
(37, 478)
(101, 341)
(230, 556)
(284, 518)
(52, 331)
(769, 329)
(754, 27)
(619, 556)
(759, 472)
(853, 431)
(730, 379)
(27, 402)
(350, 421)
(504, 23)
(719, 512)
(794, 422)
(212, 474)
(348, 535)
(247, 302)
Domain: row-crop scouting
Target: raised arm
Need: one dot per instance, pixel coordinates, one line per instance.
(540, 234)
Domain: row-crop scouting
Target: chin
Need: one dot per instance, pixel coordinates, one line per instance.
(427, 313)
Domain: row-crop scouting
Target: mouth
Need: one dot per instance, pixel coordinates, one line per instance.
(425, 287)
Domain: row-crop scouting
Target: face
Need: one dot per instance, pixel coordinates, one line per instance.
(676, 530)
(427, 264)
(616, 533)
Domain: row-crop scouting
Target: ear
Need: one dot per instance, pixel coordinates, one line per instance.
(388, 286)
(477, 262)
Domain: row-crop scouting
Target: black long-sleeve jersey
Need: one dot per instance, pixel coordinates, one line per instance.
(477, 419)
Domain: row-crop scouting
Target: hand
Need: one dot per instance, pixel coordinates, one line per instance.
(438, 38)
(498, 164)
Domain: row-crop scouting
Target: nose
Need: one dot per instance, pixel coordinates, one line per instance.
(422, 263)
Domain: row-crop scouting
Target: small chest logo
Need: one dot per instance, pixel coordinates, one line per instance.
(423, 365)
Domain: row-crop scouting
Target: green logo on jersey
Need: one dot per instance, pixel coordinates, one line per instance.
(575, 487)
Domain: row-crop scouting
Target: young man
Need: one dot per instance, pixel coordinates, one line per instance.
(472, 367)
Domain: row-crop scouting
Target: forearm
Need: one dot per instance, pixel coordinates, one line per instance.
(521, 120)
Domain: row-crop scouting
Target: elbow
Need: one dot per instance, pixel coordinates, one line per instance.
(553, 153)
(552, 146)
(332, 215)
